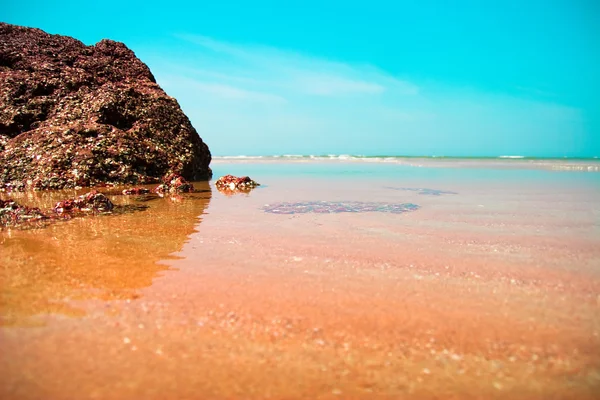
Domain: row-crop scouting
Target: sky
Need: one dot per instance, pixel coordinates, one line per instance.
(444, 78)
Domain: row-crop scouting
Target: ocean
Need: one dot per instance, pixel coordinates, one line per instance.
(338, 277)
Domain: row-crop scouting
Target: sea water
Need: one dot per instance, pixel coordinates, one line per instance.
(488, 286)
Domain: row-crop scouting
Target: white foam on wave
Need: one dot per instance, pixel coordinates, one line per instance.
(591, 165)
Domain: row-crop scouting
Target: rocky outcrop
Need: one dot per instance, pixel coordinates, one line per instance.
(76, 115)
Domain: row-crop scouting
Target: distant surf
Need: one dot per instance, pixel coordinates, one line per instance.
(502, 161)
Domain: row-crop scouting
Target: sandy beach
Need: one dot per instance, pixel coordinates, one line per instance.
(490, 289)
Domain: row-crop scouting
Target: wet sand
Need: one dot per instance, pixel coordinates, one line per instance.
(493, 292)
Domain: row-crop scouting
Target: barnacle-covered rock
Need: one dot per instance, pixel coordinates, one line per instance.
(230, 184)
(75, 115)
(174, 183)
(89, 202)
(14, 214)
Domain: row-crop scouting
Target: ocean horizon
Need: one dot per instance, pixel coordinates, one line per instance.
(343, 156)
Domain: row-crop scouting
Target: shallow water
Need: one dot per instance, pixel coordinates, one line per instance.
(491, 291)
(96, 257)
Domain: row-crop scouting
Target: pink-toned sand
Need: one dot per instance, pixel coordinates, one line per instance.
(493, 293)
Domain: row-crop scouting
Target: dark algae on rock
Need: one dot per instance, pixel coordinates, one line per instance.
(75, 115)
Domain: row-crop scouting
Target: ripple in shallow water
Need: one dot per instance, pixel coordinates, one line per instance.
(331, 207)
(424, 191)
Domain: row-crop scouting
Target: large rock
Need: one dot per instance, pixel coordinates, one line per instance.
(77, 115)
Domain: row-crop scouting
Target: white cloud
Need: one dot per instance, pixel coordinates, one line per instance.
(220, 90)
(331, 85)
(292, 72)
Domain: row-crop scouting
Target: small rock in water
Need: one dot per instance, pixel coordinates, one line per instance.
(230, 184)
(89, 202)
(174, 183)
(14, 214)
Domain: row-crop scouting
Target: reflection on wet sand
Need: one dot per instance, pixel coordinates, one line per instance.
(227, 191)
(98, 257)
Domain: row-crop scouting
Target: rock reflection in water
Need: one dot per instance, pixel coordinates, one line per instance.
(238, 190)
(105, 257)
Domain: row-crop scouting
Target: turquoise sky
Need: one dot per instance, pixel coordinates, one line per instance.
(372, 77)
